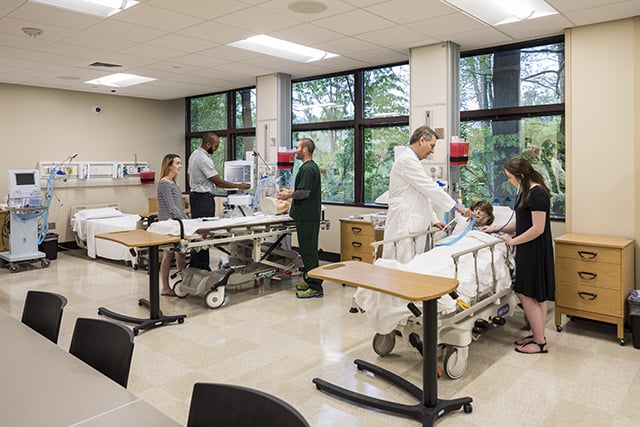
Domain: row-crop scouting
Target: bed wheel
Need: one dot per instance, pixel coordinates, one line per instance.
(44, 262)
(383, 343)
(215, 298)
(177, 289)
(3, 264)
(181, 320)
(14, 268)
(558, 328)
(455, 362)
(467, 408)
(621, 340)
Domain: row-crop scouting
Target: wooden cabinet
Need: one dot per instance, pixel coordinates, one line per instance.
(594, 275)
(356, 235)
(4, 224)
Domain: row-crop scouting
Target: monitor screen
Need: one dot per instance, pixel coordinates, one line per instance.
(238, 171)
(25, 178)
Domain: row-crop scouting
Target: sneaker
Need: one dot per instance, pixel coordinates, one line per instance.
(302, 286)
(309, 293)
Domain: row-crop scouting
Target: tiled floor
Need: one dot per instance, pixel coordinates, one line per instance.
(267, 339)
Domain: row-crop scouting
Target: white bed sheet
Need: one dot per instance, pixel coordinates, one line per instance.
(87, 229)
(385, 312)
(172, 227)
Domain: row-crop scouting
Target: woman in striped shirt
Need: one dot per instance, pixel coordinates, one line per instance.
(170, 207)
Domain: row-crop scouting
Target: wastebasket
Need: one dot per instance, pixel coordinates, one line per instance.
(50, 246)
(634, 311)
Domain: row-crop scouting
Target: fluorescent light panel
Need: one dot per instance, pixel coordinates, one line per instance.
(92, 7)
(499, 12)
(120, 80)
(282, 49)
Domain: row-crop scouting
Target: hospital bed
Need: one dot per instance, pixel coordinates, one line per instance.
(482, 264)
(256, 246)
(87, 221)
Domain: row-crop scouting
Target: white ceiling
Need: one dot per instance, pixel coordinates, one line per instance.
(182, 43)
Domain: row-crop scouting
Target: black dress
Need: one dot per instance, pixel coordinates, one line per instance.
(535, 276)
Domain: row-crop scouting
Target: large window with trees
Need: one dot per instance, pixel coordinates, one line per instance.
(512, 104)
(355, 120)
(231, 115)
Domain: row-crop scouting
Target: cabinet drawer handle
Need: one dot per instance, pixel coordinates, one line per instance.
(356, 244)
(586, 275)
(587, 254)
(356, 229)
(587, 295)
(356, 258)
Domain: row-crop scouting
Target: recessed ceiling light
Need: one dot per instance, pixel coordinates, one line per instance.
(103, 8)
(32, 31)
(282, 49)
(120, 80)
(499, 12)
(307, 7)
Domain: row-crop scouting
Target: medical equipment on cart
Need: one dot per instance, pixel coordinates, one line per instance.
(483, 266)
(26, 208)
(195, 281)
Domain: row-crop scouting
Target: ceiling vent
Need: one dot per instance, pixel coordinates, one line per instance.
(104, 65)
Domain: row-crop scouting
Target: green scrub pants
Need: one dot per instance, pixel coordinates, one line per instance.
(308, 243)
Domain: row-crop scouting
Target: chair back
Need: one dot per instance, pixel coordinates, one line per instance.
(223, 405)
(104, 345)
(42, 312)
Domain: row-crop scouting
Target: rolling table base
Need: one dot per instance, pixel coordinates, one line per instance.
(431, 408)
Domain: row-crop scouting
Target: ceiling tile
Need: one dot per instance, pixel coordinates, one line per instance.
(390, 36)
(52, 81)
(23, 41)
(405, 11)
(124, 31)
(306, 34)
(10, 52)
(334, 7)
(603, 14)
(155, 17)
(99, 42)
(571, 5)
(7, 6)
(246, 69)
(27, 73)
(220, 75)
(366, 3)
(173, 66)
(216, 32)
(342, 63)
(148, 51)
(182, 43)
(439, 28)
(52, 33)
(79, 51)
(535, 28)
(379, 56)
(127, 61)
(354, 22)
(258, 21)
(54, 59)
(345, 46)
(476, 39)
(200, 61)
(228, 53)
(49, 14)
(405, 46)
(205, 9)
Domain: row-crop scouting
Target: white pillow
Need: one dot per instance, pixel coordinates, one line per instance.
(98, 213)
(503, 215)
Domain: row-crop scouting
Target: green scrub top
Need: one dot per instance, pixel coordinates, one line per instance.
(308, 178)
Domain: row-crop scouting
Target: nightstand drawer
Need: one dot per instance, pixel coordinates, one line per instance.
(588, 298)
(356, 256)
(354, 229)
(597, 274)
(588, 253)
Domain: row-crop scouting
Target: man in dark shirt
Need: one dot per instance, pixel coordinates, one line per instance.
(305, 211)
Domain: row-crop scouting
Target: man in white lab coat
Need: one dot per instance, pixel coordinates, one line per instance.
(413, 196)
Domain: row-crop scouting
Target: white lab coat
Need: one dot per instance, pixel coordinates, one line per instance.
(412, 197)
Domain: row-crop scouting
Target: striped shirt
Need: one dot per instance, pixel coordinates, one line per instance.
(169, 201)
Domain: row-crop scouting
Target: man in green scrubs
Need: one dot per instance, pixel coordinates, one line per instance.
(305, 211)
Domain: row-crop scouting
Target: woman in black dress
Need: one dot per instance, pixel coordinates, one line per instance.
(535, 281)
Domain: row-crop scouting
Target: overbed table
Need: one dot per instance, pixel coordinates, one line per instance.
(152, 241)
(412, 287)
(43, 385)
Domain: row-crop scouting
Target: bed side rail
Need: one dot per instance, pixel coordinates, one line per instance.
(429, 244)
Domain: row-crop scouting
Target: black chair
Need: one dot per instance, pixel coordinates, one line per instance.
(222, 405)
(106, 346)
(42, 312)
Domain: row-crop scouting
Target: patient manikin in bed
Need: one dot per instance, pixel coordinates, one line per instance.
(385, 312)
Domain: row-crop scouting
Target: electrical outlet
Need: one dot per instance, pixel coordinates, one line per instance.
(52, 226)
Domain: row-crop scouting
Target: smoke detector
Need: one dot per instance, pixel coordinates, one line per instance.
(32, 31)
(307, 7)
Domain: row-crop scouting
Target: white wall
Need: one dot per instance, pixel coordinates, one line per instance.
(603, 132)
(50, 124)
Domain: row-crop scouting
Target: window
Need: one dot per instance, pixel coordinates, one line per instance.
(355, 120)
(231, 115)
(512, 104)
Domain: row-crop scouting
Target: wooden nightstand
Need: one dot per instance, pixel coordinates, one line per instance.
(594, 275)
(355, 237)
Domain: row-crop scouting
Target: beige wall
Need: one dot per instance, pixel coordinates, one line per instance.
(50, 124)
(603, 133)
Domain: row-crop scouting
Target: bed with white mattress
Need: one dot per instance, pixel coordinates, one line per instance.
(89, 221)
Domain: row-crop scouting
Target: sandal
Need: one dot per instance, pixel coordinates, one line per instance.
(524, 340)
(168, 293)
(541, 348)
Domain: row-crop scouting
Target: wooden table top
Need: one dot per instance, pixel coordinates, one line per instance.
(139, 238)
(402, 284)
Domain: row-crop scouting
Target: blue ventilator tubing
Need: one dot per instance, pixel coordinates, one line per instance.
(459, 236)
